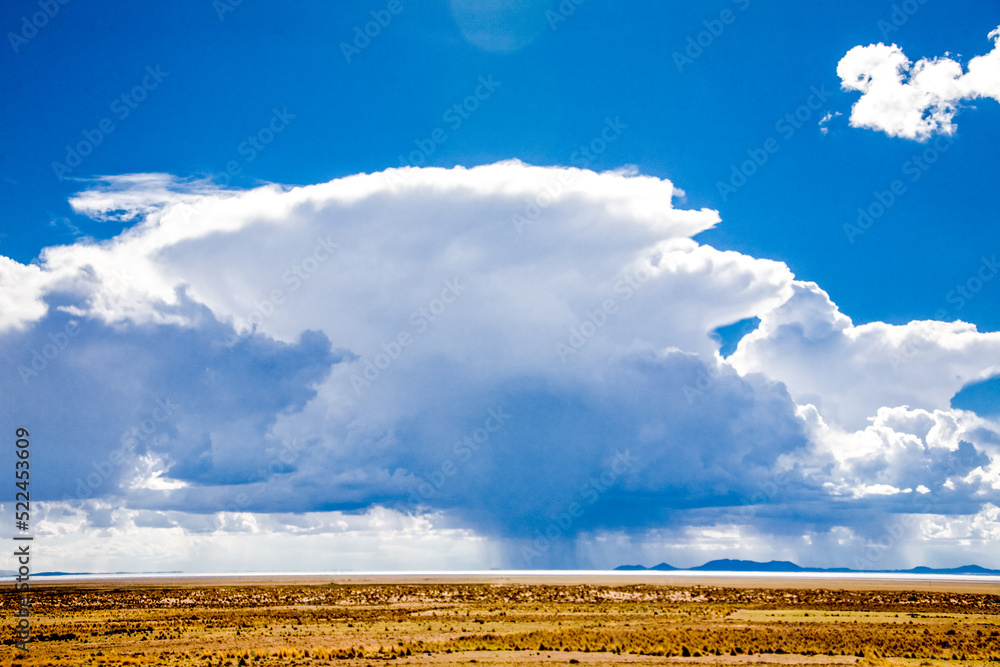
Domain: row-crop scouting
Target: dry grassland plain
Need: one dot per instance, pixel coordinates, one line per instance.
(502, 621)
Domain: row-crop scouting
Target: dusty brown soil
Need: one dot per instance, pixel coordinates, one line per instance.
(743, 581)
(338, 621)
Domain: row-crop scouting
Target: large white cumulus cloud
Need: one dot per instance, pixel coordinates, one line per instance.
(849, 372)
(915, 100)
(516, 353)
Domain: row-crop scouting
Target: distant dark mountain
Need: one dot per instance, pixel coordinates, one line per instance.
(964, 569)
(730, 565)
(663, 566)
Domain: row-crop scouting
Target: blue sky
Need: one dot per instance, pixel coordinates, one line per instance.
(754, 123)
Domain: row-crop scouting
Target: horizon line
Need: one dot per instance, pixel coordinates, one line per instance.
(665, 574)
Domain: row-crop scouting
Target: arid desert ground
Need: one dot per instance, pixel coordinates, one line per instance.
(342, 620)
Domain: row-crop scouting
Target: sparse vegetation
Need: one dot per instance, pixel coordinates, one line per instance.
(362, 625)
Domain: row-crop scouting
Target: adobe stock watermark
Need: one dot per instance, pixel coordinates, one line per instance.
(596, 318)
(248, 150)
(697, 43)
(764, 493)
(57, 343)
(223, 7)
(291, 450)
(295, 277)
(966, 291)
(254, 144)
(541, 201)
(363, 35)
(882, 200)
(261, 479)
(30, 26)
(899, 526)
(703, 381)
(22, 523)
(900, 14)
(561, 13)
(420, 320)
(463, 450)
(582, 157)
(88, 485)
(454, 117)
(560, 522)
(121, 107)
(963, 292)
(786, 126)
(49, 352)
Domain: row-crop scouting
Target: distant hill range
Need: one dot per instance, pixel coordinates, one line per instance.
(723, 565)
(729, 565)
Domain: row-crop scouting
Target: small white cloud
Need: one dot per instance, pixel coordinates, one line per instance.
(877, 490)
(825, 121)
(918, 101)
